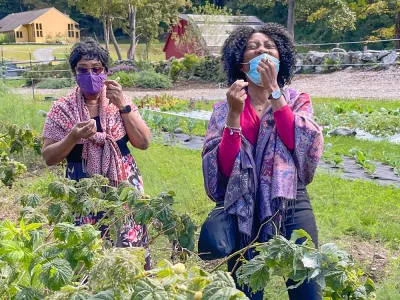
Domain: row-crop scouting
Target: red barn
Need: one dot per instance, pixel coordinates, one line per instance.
(203, 34)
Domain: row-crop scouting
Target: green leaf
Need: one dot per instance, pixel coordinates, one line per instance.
(336, 280)
(36, 238)
(14, 251)
(112, 195)
(133, 196)
(16, 146)
(226, 293)
(54, 211)
(33, 226)
(360, 293)
(222, 286)
(105, 295)
(58, 190)
(32, 200)
(56, 273)
(89, 234)
(144, 215)
(168, 198)
(32, 215)
(29, 294)
(125, 192)
(8, 230)
(67, 233)
(301, 233)
(369, 286)
(329, 249)
(312, 260)
(148, 289)
(171, 193)
(254, 273)
(186, 235)
(79, 296)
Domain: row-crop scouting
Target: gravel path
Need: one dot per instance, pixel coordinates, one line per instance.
(343, 84)
(351, 84)
(45, 54)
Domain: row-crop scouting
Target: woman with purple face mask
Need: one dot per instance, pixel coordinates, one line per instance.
(91, 127)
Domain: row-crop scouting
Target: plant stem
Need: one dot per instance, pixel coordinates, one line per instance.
(160, 233)
(235, 254)
(254, 240)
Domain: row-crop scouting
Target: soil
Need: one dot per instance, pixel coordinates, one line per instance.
(374, 258)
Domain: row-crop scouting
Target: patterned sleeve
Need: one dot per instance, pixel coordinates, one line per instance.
(57, 124)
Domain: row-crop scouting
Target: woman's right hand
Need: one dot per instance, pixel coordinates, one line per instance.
(83, 130)
(236, 96)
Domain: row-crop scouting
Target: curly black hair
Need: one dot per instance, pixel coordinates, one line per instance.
(235, 46)
(88, 49)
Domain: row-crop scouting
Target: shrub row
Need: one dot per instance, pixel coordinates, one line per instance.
(136, 73)
(148, 79)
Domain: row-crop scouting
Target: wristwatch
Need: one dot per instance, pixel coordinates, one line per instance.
(275, 95)
(126, 110)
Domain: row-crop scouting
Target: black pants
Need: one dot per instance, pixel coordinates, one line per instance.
(303, 218)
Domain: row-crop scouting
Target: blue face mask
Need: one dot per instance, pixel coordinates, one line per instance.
(253, 74)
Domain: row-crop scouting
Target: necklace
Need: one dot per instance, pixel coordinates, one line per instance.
(259, 107)
(92, 105)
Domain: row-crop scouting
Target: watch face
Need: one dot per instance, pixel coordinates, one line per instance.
(128, 108)
(276, 94)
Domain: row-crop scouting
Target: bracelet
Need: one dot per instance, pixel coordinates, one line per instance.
(233, 129)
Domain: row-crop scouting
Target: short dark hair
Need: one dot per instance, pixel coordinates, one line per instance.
(88, 49)
(235, 46)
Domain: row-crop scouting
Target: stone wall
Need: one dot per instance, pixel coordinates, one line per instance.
(338, 59)
(307, 63)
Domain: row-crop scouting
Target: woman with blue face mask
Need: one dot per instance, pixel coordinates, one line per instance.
(90, 129)
(262, 146)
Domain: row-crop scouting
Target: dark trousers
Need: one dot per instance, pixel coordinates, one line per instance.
(303, 218)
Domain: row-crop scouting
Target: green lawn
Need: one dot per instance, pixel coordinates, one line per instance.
(21, 52)
(22, 110)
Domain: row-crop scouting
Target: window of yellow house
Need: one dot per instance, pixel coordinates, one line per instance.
(71, 31)
(39, 30)
(19, 34)
(77, 35)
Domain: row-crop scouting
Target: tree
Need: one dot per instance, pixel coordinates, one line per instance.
(290, 19)
(377, 7)
(336, 14)
(212, 9)
(106, 11)
(150, 14)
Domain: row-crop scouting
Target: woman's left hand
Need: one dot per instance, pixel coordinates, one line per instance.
(269, 76)
(115, 94)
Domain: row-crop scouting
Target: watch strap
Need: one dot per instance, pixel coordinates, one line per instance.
(126, 109)
(278, 93)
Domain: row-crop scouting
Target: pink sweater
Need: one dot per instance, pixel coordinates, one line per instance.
(250, 123)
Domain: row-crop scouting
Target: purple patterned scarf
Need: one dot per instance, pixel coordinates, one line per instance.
(264, 177)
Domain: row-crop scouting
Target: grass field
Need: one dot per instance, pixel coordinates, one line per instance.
(21, 52)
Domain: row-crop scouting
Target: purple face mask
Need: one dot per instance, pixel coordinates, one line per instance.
(89, 83)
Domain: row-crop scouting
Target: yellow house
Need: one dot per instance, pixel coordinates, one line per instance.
(47, 25)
